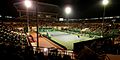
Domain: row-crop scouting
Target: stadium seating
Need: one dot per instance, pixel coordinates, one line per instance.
(13, 46)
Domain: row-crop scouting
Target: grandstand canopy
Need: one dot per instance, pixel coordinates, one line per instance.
(44, 10)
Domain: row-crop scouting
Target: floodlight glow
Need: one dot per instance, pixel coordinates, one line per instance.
(105, 2)
(28, 3)
(61, 19)
(68, 10)
(0, 15)
(45, 49)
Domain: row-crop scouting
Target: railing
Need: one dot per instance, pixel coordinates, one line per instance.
(55, 51)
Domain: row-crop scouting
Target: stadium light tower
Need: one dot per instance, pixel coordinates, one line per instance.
(68, 11)
(28, 5)
(104, 3)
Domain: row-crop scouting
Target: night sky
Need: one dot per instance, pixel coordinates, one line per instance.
(81, 8)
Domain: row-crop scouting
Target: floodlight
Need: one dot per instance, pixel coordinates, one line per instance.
(68, 10)
(28, 3)
(105, 2)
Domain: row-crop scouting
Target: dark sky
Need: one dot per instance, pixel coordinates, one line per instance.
(81, 8)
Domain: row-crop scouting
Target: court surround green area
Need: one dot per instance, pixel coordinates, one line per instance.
(65, 39)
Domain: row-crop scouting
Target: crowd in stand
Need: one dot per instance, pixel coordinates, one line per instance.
(106, 28)
(97, 27)
(14, 46)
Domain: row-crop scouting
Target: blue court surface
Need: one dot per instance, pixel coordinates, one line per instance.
(67, 39)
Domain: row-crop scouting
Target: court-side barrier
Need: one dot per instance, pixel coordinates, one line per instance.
(56, 51)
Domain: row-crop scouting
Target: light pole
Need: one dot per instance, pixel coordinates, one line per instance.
(68, 11)
(37, 22)
(27, 4)
(104, 3)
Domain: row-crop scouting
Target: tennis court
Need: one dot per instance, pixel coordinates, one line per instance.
(67, 39)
